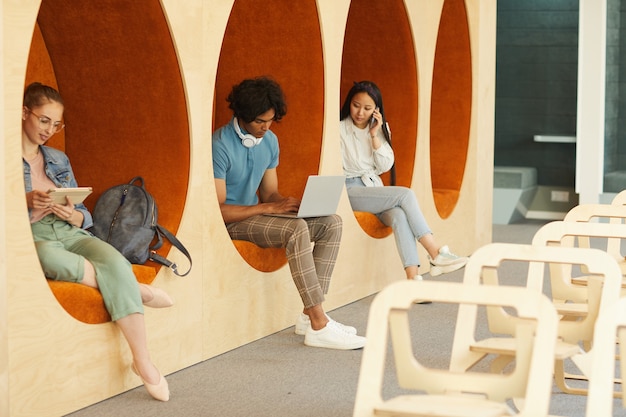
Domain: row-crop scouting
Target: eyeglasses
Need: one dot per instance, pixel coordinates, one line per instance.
(45, 123)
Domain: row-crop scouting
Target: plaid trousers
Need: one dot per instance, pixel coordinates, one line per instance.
(311, 266)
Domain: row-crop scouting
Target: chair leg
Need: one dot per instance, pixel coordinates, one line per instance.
(561, 377)
(560, 380)
(500, 362)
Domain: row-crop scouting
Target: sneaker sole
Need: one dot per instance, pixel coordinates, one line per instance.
(438, 270)
(301, 331)
(352, 346)
(460, 260)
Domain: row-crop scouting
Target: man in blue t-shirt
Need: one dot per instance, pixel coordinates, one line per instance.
(245, 157)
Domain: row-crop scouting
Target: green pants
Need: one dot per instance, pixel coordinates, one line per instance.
(62, 250)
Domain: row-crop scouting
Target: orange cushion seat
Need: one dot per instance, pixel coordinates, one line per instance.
(85, 303)
(261, 259)
(372, 225)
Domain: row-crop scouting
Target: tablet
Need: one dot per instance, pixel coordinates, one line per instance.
(77, 194)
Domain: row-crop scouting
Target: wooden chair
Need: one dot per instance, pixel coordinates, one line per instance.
(449, 393)
(620, 198)
(575, 233)
(614, 214)
(573, 330)
(570, 292)
(566, 287)
(610, 323)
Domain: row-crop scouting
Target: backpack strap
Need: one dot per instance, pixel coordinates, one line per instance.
(140, 179)
(177, 243)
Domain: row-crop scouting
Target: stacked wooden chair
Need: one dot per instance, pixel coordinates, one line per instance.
(614, 214)
(611, 324)
(577, 263)
(444, 392)
(577, 319)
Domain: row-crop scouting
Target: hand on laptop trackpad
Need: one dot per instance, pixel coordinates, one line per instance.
(321, 197)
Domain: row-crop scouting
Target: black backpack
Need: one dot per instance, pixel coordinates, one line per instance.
(125, 216)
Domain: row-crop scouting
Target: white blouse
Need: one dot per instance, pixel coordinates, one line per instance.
(359, 158)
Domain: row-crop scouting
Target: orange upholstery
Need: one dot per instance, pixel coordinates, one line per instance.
(371, 225)
(40, 69)
(451, 106)
(446, 199)
(125, 110)
(85, 303)
(291, 44)
(387, 22)
(123, 95)
(262, 259)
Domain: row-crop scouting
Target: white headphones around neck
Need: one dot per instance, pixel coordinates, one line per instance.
(247, 140)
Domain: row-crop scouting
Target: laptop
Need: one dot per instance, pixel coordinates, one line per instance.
(321, 197)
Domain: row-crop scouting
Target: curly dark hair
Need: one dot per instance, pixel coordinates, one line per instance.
(37, 94)
(255, 96)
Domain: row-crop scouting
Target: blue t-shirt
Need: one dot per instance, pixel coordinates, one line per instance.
(242, 168)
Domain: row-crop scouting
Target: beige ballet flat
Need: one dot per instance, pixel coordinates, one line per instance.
(160, 299)
(160, 391)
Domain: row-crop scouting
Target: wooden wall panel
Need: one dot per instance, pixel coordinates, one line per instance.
(223, 303)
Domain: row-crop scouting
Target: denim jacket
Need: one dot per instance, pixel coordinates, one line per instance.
(59, 170)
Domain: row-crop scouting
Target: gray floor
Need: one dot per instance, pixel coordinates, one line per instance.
(278, 376)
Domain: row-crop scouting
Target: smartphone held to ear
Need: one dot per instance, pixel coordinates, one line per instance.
(373, 120)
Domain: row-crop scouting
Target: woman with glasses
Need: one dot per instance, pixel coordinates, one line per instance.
(66, 251)
(367, 153)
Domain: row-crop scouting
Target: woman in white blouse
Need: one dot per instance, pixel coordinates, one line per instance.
(367, 153)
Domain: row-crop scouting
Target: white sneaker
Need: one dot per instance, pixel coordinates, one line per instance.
(420, 278)
(303, 322)
(332, 336)
(446, 262)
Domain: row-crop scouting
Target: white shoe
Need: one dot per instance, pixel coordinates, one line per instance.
(303, 322)
(420, 278)
(332, 336)
(446, 262)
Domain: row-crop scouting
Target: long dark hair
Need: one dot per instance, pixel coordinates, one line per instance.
(373, 91)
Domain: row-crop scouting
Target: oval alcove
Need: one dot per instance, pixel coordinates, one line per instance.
(125, 106)
(385, 56)
(286, 45)
(451, 106)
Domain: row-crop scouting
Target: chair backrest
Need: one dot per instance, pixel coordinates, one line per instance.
(620, 198)
(611, 322)
(483, 268)
(531, 378)
(565, 233)
(615, 246)
(615, 213)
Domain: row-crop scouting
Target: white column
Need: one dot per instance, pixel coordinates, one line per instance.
(591, 96)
